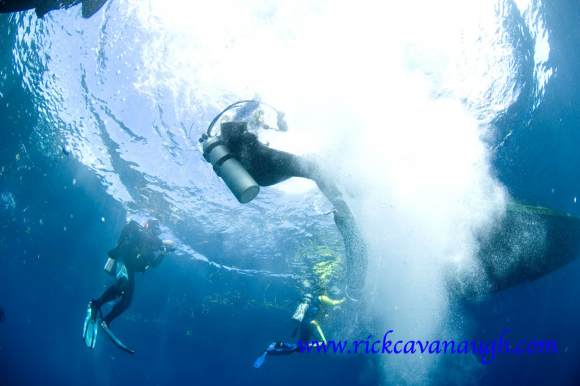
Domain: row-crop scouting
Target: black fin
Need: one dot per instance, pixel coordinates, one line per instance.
(116, 340)
(90, 7)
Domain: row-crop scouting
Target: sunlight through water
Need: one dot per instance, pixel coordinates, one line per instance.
(397, 100)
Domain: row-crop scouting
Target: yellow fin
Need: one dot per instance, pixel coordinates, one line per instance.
(331, 302)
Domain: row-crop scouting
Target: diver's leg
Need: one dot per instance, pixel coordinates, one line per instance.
(90, 327)
(127, 286)
(269, 166)
(274, 166)
(305, 334)
(296, 166)
(110, 294)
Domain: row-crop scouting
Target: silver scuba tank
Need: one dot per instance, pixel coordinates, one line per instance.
(302, 308)
(110, 266)
(216, 152)
(236, 177)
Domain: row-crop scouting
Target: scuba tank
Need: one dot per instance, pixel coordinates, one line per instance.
(302, 308)
(110, 266)
(236, 177)
(215, 151)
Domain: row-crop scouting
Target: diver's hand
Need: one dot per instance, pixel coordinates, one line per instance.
(168, 246)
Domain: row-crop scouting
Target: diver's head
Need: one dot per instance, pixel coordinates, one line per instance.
(233, 131)
(153, 227)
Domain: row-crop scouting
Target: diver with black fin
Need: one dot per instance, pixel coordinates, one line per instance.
(245, 164)
(139, 249)
(42, 7)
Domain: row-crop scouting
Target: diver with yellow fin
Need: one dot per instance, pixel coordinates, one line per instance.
(245, 164)
(139, 249)
(313, 311)
(308, 331)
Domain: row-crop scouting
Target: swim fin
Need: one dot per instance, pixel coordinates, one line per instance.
(91, 326)
(260, 361)
(116, 340)
(90, 7)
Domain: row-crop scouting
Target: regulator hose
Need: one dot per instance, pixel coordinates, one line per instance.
(280, 117)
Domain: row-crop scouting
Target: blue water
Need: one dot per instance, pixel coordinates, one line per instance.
(81, 150)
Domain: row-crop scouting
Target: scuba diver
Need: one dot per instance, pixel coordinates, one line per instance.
(139, 249)
(245, 164)
(308, 331)
(2, 315)
(313, 311)
(42, 7)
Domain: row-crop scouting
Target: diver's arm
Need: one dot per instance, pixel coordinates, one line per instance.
(166, 248)
(129, 232)
(126, 242)
(156, 260)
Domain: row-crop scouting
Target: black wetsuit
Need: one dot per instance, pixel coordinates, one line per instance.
(42, 7)
(267, 166)
(138, 250)
(270, 166)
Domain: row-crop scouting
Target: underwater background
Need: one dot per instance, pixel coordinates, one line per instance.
(467, 104)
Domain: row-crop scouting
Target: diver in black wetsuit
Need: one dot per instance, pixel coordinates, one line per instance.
(270, 166)
(42, 7)
(139, 249)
